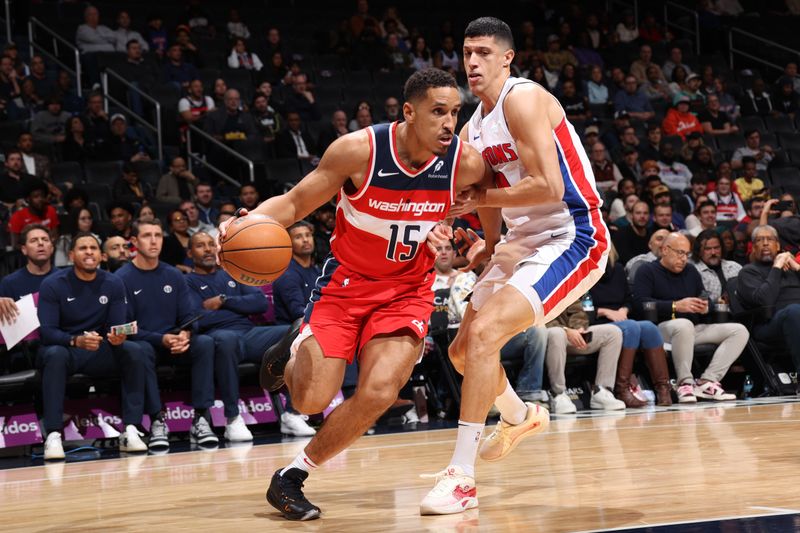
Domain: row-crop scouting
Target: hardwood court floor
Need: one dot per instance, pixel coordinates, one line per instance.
(683, 464)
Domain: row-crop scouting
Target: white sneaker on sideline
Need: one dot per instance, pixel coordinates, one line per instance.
(686, 393)
(454, 492)
(130, 440)
(53, 449)
(295, 424)
(562, 405)
(712, 391)
(236, 430)
(605, 401)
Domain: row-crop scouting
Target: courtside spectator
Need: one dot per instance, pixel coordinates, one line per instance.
(749, 185)
(672, 172)
(206, 205)
(115, 253)
(160, 302)
(770, 286)
(714, 120)
(121, 215)
(682, 309)
(632, 100)
(613, 301)
(606, 174)
(632, 239)
(38, 211)
(14, 181)
(655, 243)
(50, 124)
(130, 189)
(729, 205)
(291, 291)
(295, 141)
(37, 248)
(76, 308)
(706, 214)
(125, 34)
(680, 121)
(93, 36)
(227, 305)
(195, 225)
(178, 184)
(571, 334)
(714, 270)
(763, 154)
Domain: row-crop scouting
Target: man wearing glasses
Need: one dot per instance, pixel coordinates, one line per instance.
(771, 283)
(682, 305)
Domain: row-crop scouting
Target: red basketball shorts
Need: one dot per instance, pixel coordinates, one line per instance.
(346, 310)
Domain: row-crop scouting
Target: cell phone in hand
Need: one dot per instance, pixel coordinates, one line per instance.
(784, 205)
(587, 336)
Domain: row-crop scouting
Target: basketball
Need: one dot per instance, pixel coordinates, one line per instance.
(256, 250)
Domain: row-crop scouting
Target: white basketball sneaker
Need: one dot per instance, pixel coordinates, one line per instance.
(454, 492)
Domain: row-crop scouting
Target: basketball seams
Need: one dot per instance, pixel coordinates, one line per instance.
(240, 230)
(267, 247)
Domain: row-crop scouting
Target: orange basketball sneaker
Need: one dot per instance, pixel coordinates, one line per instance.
(505, 437)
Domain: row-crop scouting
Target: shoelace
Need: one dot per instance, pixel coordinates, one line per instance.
(292, 488)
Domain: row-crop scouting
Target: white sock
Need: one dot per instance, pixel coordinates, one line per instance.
(469, 437)
(512, 409)
(302, 462)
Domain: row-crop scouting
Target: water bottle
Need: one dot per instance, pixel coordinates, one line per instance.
(747, 388)
(588, 307)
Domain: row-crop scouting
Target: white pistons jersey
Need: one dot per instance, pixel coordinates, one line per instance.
(490, 136)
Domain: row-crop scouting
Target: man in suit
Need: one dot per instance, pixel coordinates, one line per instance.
(295, 140)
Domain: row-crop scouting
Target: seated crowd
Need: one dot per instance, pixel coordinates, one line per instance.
(679, 150)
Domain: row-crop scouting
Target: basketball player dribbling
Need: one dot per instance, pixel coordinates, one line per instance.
(554, 251)
(394, 182)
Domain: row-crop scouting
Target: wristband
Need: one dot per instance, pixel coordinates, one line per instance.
(674, 308)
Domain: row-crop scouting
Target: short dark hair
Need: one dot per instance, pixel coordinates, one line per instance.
(36, 185)
(748, 159)
(429, 78)
(121, 205)
(130, 42)
(706, 204)
(749, 132)
(490, 27)
(662, 206)
(139, 222)
(301, 224)
(29, 228)
(12, 151)
(80, 235)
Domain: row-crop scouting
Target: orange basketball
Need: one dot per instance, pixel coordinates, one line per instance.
(256, 250)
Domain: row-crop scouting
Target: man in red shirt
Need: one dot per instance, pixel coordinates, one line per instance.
(38, 211)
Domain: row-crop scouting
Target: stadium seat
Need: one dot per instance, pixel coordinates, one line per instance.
(779, 124)
(99, 193)
(789, 141)
(67, 171)
(786, 179)
(730, 142)
(283, 170)
(105, 172)
(148, 171)
(752, 123)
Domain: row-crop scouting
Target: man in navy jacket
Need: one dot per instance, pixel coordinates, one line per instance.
(159, 300)
(293, 289)
(228, 305)
(77, 306)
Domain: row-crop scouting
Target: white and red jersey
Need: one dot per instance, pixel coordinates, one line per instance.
(382, 227)
(490, 136)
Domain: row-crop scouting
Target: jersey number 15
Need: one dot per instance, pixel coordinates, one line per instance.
(406, 249)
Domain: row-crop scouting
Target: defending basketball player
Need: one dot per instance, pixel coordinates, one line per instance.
(394, 182)
(554, 251)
